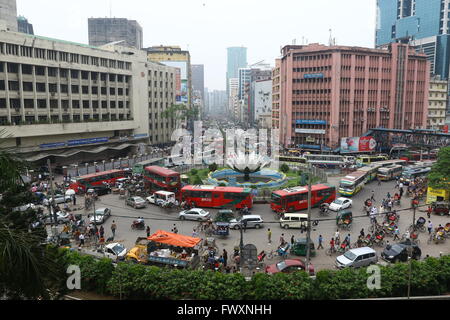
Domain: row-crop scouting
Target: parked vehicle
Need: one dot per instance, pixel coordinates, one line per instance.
(399, 252)
(101, 190)
(344, 219)
(114, 251)
(294, 220)
(163, 198)
(441, 208)
(195, 214)
(356, 258)
(59, 198)
(101, 215)
(289, 266)
(136, 202)
(61, 218)
(253, 221)
(340, 204)
(300, 248)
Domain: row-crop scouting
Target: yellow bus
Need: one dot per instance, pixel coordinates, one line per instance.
(352, 183)
(389, 173)
(366, 160)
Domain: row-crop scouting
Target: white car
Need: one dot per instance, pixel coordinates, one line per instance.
(194, 214)
(340, 204)
(59, 198)
(101, 215)
(115, 251)
(61, 218)
(161, 197)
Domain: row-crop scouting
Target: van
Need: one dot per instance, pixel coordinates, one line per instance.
(357, 258)
(252, 221)
(294, 220)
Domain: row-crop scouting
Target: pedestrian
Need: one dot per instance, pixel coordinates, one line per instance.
(400, 185)
(401, 193)
(320, 242)
(361, 233)
(175, 229)
(292, 240)
(388, 196)
(379, 181)
(225, 257)
(373, 196)
(430, 227)
(332, 243)
(347, 239)
(245, 225)
(429, 210)
(396, 184)
(102, 231)
(396, 233)
(337, 237)
(269, 236)
(81, 237)
(74, 200)
(148, 231)
(282, 241)
(113, 229)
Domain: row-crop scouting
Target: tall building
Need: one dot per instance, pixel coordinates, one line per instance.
(198, 78)
(70, 102)
(424, 24)
(173, 56)
(262, 100)
(24, 26)
(8, 14)
(106, 30)
(437, 103)
(217, 102)
(328, 93)
(233, 100)
(236, 59)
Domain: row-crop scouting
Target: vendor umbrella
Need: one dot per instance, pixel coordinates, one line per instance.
(70, 192)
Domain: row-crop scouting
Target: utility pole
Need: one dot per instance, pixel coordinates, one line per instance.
(241, 247)
(308, 230)
(53, 216)
(95, 221)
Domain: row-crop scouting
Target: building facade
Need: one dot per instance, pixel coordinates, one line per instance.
(107, 30)
(24, 26)
(437, 103)
(236, 59)
(424, 24)
(173, 56)
(262, 93)
(63, 100)
(8, 15)
(233, 100)
(327, 93)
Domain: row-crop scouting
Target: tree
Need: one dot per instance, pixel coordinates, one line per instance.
(213, 167)
(439, 177)
(197, 180)
(284, 168)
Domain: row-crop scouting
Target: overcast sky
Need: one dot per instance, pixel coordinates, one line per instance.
(207, 27)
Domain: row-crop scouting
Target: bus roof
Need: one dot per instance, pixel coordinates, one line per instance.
(150, 161)
(96, 174)
(161, 171)
(214, 188)
(354, 175)
(299, 189)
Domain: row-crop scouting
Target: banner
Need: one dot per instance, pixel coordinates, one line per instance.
(358, 144)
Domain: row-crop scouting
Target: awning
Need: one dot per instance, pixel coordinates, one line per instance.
(174, 239)
(72, 152)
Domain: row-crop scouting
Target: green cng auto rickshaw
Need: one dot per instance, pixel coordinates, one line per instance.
(344, 219)
(300, 245)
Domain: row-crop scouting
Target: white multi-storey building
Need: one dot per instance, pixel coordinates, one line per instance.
(65, 100)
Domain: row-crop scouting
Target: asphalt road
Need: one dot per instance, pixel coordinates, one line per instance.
(159, 219)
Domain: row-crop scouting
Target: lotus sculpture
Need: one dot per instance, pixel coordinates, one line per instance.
(248, 163)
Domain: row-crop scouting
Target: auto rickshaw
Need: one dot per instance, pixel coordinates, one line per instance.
(344, 219)
(300, 248)
(224, 216)
(441, 208)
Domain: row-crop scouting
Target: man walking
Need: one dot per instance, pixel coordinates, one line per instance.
(81, 240)
(148, 231)
(282, 241)
(320, 242)
(113, 229)
(225, 257)
(430, 227)
(74, 200)
(292, 240)
(396, 233)
(373, 196)
(269, 236)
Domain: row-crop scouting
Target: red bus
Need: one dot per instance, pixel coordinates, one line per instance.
(81, 184)
(158, 178)
(217, 197)
(295, 199)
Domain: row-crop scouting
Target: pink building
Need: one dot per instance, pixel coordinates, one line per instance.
(322, 94)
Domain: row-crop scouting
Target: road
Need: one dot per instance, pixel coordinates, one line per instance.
(159, 219)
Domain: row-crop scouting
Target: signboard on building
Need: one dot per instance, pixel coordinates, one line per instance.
(314, 76)
(178, 85)
(86, 141)
(309, 146)
(52, 145)
(310, 131)
(445, 129)
(184, 91)
(358, 144)
(320, 122)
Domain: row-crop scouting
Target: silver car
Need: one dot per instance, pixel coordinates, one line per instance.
(136, 202)
(251, 221)
(101, 215)
(194, 214)
(59, 198)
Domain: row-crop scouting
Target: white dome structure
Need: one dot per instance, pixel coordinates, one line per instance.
(248, 163)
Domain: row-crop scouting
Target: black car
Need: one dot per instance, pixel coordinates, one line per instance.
(101, 190)
(399, 252)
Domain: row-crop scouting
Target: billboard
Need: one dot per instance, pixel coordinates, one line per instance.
(178, 85)
(313, 76)
(358, 144)
(182, 65)
(184, 91)
(311, 131)
(322, 122)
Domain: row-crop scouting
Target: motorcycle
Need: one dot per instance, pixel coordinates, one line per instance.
(137, 225)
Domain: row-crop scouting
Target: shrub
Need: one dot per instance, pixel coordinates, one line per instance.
(213, 167)
(194, 172)
(198, 180)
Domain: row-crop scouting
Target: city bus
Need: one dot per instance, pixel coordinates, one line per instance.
(293, 160)
(409, 175)
(295, 199)
(83, 183)
(138, 168)
(389, 173)
(217, 197)
(370, 171)
(158, 178)
(328, 160)
(366, 160)
(388, 163)
(352, 183)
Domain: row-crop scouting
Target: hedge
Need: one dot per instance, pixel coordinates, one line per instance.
(134, 281)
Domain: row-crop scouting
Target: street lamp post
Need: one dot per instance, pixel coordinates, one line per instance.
(87, 167)
(95, 166)
(308, 230)
(241, 247)
(104, 166)
(112, 164)
(76, 170)
(120, 163)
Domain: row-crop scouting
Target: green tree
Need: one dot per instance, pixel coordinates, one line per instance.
(194, 172)
(213, 167)
(284, 168)
(197, 180)
(439, 177)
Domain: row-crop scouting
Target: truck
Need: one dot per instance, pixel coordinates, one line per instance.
(167, 249)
